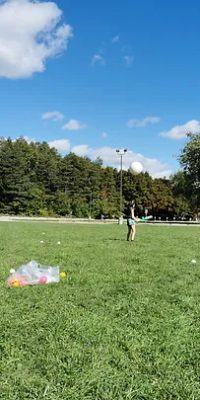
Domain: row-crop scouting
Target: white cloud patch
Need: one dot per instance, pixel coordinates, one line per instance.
(74, 125)
(180, 131)
(109, 156)
(128, 60)
(62, 145)
(154, 167)
(141, 123)
(115, 39)
(28, 139)
(53, 116)
(98, 59)
(30, 33)
(81, 150)
(104, 135)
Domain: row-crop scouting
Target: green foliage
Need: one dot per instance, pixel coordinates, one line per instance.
(109, 193)
(62, 203)
(182, 192)
(123, 325)
(190, 161)
(162, 197)
(36, 180)
(190, 157)
(139, 188)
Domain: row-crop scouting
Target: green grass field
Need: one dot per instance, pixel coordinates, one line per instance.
(124, 324)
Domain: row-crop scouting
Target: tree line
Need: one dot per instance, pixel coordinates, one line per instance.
(36, 180)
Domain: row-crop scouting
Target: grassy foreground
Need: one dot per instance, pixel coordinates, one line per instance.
(125, 324)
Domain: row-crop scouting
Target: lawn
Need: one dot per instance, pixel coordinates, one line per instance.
(124, 324)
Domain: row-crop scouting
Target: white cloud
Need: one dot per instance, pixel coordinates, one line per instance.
(53, 115)
(115, 39)
(180, 131)
(28, 139)
(156, 168)
(73, 125)
(30, 33)
(109, 157)
(141, 123)
(98, 59)
(81, 150)
(104, 135)
(128, 60)
(62, 145)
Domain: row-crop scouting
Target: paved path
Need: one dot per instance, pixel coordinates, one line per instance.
(10, 218)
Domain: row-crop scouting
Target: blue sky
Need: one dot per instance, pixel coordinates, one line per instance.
(92, 76)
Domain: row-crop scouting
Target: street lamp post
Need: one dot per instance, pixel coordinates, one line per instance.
(121, 154)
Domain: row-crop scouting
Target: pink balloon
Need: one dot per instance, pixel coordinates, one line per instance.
(43, 280)
(23, 282)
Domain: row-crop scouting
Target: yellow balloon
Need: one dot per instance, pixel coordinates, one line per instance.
(16, 284)
(63, 274)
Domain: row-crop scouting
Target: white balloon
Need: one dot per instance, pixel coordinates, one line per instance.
(12, 271)
(136, 167)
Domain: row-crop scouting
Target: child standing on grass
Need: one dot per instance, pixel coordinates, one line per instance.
(131, 222)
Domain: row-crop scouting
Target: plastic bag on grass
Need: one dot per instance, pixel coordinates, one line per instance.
(33, 274)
